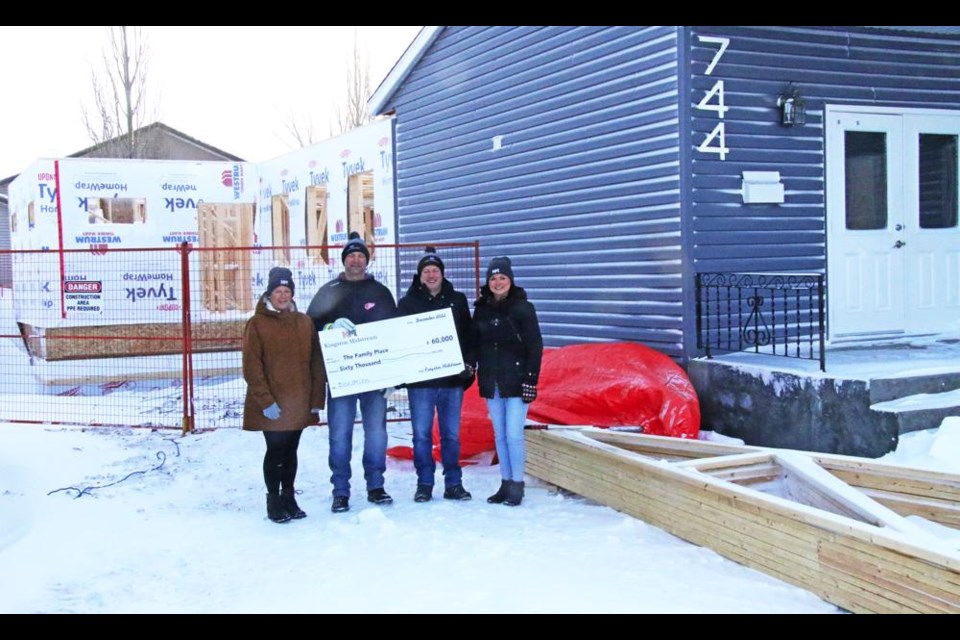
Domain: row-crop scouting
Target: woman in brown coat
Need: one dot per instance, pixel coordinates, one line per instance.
(286, 379)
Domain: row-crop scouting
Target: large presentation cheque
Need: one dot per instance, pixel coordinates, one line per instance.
(391, 352)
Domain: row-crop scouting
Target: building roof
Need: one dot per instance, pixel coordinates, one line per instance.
(402, 68)
(156, 128)
(378, 101)
(159, 127)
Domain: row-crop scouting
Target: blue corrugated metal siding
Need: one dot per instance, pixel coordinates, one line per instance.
(829, 65)
(584, 193)
(870, 67)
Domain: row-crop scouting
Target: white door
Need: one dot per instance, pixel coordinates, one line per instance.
(892, 232)
(931, 232)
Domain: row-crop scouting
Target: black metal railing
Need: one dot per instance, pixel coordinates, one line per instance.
(779, 314)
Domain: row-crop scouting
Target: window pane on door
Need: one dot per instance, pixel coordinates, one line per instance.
(938, 181)
(866, 179)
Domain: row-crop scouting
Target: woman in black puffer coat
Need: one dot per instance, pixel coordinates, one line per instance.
(509, 351)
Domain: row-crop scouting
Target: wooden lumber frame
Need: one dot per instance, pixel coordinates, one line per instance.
(316, 221)
(858, 553)
(225, 272)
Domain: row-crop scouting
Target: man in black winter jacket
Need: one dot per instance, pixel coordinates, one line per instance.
(431, 291)
(355, 297)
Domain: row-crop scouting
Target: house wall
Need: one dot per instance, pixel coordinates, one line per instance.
(332, 165)
(829, 65)
(557, 146)
(93, 205)
(607, 204)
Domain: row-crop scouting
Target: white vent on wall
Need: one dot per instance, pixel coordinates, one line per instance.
(762, 187)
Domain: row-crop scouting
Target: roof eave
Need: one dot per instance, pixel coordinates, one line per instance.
(401, 69)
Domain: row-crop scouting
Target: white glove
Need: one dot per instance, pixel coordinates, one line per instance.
(343, 323)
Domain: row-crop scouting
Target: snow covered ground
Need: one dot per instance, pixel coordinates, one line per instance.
(120, 520)
(107, 520)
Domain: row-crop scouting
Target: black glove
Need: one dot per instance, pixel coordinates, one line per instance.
(528, 392)
(466, 377)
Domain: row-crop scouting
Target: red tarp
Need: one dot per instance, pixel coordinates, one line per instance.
(611, 384)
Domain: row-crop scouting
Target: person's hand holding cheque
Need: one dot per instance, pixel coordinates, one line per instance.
(344, 324)
(387, 354)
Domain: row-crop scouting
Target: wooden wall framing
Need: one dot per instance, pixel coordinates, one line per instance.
(280, 225)
(316, 221)
(225, 274)
(360, 212)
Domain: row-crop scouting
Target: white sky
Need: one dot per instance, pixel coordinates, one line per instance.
(235, 88)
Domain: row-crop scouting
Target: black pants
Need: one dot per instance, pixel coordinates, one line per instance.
(280, 460)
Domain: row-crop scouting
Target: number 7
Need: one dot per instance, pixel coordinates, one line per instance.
(723, 42)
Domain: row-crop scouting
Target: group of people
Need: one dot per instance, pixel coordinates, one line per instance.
(287, 386)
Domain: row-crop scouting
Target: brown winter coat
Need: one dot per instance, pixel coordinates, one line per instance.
(281, 363)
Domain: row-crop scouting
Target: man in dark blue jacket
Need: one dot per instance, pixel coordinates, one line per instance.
(355, 297)
(431, 291)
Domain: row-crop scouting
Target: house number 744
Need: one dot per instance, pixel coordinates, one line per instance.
(716, 141)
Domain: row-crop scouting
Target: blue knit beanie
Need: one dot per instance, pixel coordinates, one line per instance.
(279, 277)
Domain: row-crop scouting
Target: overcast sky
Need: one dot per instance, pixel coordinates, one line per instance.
(235, 88)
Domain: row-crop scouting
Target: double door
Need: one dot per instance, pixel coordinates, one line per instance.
(893, 239)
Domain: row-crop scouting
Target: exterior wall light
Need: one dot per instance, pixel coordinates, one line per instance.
(793, 110)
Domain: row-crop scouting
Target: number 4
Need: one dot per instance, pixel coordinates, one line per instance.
(720, 107)
(719, 133)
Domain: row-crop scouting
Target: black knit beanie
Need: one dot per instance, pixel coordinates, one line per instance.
(500, 264)
(354, 243)
(429, 257)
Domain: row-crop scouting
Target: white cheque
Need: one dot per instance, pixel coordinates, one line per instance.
(391, 352)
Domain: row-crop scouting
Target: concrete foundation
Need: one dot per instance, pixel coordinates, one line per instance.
(791, 410)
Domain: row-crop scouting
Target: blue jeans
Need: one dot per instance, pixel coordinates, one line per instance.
(447, 402)
(341, 414)
(508, 416)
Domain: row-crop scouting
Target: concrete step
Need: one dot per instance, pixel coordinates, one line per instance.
(921, 410)
(886, 389)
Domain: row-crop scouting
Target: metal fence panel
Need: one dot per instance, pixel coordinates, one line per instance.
(151, 337)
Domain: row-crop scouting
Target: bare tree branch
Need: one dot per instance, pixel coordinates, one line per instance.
(302, 132)
(354, 112)
(120, 94)
(349, 114)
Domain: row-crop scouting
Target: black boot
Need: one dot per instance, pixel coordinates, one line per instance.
(514, 494)
(275, 509)
(457, 492)
(501, 493)
(424, 493)
(289, 501)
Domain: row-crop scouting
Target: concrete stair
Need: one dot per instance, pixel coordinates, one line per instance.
(917, 402)
(858, 408)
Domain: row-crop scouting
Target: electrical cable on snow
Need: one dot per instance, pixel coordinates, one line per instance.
(161, 456)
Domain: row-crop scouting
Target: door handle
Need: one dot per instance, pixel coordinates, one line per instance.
(898, 244)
